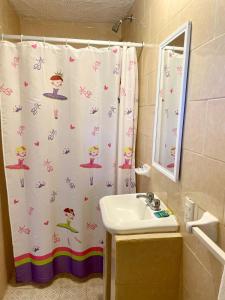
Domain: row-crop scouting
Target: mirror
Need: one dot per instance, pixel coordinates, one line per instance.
(170, 102)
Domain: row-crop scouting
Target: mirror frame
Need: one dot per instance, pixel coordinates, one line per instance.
(186, 29)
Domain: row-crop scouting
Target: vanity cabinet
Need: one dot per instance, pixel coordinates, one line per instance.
(142, 266)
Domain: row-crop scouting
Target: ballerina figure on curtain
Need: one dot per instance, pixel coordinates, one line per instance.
(93, 153)
(56, 81)
(21, 152)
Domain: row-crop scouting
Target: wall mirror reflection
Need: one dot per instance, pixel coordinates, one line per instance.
(170, 101)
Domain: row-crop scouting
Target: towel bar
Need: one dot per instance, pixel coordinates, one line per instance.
(210, 245)
(210, 225)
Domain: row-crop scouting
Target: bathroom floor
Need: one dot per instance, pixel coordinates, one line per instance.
(61, 288)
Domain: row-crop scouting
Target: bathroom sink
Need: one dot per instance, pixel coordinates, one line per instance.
(126, 214)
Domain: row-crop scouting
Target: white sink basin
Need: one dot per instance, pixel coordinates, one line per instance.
(126, 214)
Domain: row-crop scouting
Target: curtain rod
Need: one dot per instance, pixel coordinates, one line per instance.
(70, 40)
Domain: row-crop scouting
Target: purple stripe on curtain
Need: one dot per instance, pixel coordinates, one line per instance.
(63, 264)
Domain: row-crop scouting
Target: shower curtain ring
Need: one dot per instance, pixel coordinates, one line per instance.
(66, 43)
(89, 44)
(109, 44)
(2, 36)
(21, 38)
(44, 39)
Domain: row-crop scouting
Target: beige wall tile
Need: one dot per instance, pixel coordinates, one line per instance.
(194, 125)
(202, 15)
(207, 72)
(220, 20)
(195, 285)
(9, 21)
(145, 120)
(175, 6)
(100, 31)
(203, 178)
(215, 130)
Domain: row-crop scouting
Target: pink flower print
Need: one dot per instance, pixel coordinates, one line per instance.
(91, 226)
(95, 130)
(123, 92)
(34, 46)
(55, 238)
(46, 222)
(114, 50)
(179, 70)
(96, 65)
(30, 210)
(176, 112)
(56, 114)
(171, 91)
(24, 229)
(72, 59)
(6, 91)
(15, 61)
(132, 63)
(72, 126)
(21, 129)
(36, 143)
(161, 93)
(15, 201)
(25, 83)
(106, 87)
(48, 165)
(174, 130)
(85, 92)
(130, 132)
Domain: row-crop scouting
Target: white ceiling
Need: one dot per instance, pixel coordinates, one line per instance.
(74, 10)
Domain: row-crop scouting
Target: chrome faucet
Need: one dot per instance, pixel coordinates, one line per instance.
(150, 201)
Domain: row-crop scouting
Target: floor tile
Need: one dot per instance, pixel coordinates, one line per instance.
(79, 293)
(63, 287)
(46, 293)
(95, 292)
(14, 293)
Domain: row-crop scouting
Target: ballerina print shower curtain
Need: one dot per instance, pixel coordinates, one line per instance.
(67, 142)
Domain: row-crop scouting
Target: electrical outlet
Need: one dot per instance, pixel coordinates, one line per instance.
(189, 209)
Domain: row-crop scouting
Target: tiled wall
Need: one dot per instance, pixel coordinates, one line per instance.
(9, 24)
(203, 159)
(99, 31)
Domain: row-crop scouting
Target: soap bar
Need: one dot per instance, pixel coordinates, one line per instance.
(162, 214)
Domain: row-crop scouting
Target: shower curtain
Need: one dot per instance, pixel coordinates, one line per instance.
(68, 119)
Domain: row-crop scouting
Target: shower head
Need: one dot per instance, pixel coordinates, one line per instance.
(116, 25)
